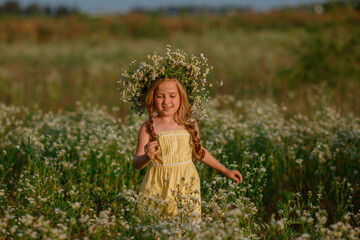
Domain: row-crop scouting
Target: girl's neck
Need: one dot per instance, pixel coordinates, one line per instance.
(162, 124)
(168, 119)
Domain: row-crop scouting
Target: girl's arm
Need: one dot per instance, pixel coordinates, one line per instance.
(142, 158)
(215, 164)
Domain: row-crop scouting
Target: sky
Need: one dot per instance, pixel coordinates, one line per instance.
(123, 6)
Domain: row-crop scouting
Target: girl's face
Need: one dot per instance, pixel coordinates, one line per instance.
(167, 98)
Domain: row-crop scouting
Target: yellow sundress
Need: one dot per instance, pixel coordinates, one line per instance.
(173, 175)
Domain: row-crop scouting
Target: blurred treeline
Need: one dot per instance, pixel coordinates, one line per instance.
(14, 8)
(297, 57)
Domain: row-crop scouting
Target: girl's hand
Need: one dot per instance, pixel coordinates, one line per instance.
(234, 174)
(150, 149)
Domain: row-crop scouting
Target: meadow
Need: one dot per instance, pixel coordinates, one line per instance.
(287, 118)
(70, 175)
(284, 56)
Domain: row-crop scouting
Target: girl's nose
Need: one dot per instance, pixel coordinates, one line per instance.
(166, 100)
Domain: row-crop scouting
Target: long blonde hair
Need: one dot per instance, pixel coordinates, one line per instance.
(183, 115)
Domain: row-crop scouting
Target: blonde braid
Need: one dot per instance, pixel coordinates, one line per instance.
(197, 150)
(150, 127)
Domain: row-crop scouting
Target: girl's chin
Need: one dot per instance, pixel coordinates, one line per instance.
(164, 113)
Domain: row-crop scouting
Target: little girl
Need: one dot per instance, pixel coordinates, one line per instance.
(169, 141)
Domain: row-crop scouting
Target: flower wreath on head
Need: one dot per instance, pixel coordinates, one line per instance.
(190, 71)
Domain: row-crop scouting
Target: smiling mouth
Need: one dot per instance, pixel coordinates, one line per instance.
(166, 108)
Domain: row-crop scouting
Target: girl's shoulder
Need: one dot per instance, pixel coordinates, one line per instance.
(144, 128)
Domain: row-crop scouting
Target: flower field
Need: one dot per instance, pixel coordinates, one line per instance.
(70, 175)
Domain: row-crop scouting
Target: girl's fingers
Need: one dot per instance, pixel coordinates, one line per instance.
(151, 145)
(237, 176)
(150, 149)
(234, 175)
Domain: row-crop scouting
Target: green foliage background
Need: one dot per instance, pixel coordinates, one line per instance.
(282, 55)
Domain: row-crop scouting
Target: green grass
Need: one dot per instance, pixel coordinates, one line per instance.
(71, 175)
(259, 60)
